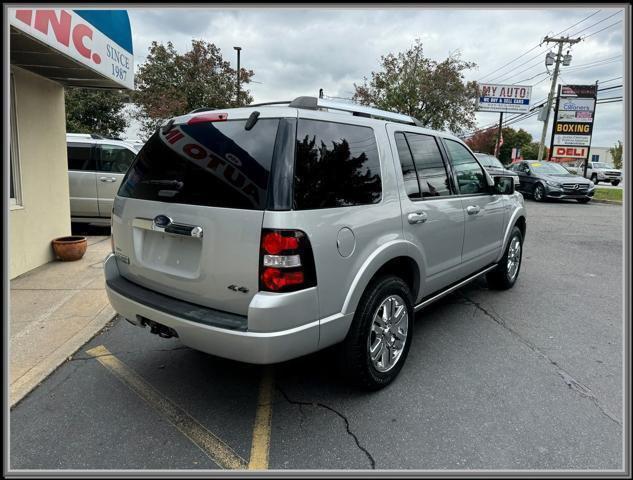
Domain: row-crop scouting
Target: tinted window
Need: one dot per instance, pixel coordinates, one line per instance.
(80, 157)
(218, 164)
(115, 159)
(336, 165)
(470, 176)
(409, 174)
(429, 165)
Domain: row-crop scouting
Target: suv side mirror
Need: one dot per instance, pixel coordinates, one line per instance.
(504, 185)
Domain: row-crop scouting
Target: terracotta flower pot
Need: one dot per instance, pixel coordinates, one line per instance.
(69, 249)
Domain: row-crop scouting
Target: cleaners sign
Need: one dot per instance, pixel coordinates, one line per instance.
(504, 98)
(573, 122)
(69, 32)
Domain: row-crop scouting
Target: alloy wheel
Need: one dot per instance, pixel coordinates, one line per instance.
(514, 258)
(388, 333)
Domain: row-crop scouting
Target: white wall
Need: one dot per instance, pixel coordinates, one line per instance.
(605, 155)
(45, 210)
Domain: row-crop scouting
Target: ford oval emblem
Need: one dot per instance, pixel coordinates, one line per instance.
(162, 221)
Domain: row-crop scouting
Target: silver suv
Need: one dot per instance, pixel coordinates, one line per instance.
(265, 233)
(96, 166)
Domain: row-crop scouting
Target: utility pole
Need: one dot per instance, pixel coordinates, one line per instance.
(497, 146)
(237, 94)
(559, 57)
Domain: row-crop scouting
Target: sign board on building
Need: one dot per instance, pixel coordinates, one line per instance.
(573, 122)
(90, 37)
(504, 98)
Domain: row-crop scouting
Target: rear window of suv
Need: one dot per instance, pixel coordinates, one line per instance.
(336, 165)
(215, 164)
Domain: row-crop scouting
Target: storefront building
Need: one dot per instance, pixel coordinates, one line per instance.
(51, 49)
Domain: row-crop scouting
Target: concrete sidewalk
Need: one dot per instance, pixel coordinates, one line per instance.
(53, 310)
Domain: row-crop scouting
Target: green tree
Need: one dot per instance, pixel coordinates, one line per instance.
(530, 151)
(95, 111)
(433, 92)
(169, 83)
(511, 139)
(616, 154)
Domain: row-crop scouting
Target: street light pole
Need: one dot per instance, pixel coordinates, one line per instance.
(237, 95)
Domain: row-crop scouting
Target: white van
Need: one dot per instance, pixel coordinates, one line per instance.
(96, 166)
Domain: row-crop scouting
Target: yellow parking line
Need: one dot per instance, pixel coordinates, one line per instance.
(263, 417)
(215, 448)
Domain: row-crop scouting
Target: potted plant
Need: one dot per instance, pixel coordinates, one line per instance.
(70, 248)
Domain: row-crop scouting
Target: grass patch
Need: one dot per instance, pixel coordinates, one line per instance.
(613, 194)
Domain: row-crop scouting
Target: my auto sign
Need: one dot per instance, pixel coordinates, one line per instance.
(504, 98)
(573, 122)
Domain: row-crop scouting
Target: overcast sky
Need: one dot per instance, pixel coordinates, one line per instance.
(295, 51)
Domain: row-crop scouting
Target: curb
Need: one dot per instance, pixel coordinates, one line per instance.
(611, 202)
(36, 375)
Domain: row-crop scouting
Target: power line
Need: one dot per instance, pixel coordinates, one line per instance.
(531, 78)
(534, 48)
(597, 23)
(512, 61)
(602, 30)
(610, 80)
(505, 77)
(578, 23)
(539, 54)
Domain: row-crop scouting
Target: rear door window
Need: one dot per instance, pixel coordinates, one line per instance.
(115, 158)
(409, 175)
(336, 165)
(80, 157)
(215, 164)
(429, 165)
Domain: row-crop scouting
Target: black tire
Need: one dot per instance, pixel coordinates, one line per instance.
(583, 200)
(500, 278)
(354, 356)
(615, 183)
(594, 179)
(539, 192)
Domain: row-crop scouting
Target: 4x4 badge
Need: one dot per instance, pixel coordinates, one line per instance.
(235, 288)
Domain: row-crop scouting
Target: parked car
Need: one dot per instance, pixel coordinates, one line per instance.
(542, 180)
(96, 166)
(597, 172)
(495, 167)
(268, 232)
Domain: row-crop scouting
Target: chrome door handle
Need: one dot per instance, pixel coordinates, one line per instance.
(107, 179)
(472, 209)
(416, 217)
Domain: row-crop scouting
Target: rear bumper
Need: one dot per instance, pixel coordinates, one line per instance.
(232, 340)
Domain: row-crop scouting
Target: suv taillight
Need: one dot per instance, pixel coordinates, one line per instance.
(286, 261)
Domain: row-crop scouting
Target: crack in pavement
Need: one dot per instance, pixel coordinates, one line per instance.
(571, 382)
(327, 407)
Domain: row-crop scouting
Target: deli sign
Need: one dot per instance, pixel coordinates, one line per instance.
(571, 152)
(69, 33)
(504, 98)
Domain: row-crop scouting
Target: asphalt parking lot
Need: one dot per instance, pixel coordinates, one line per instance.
(529, 378)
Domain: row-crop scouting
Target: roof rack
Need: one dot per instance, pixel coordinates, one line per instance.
(201, 109)
(314, 103)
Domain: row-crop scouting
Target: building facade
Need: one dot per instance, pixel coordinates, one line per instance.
(53, 49)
